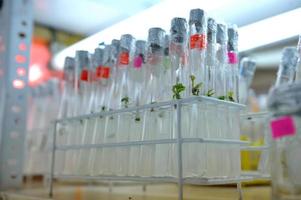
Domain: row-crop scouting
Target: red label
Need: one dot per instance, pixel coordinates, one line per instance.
(98, 71)
(282, 127)
(85, 75)
(103, 72)
(198, 41)
(124, 58)
(232, 56)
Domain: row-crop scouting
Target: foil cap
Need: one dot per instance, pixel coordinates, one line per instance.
(197, 17)
(247, 68)
(289, 58)
(233, 38)
(140, 47)
(166, 45)
(222, 34)
(211, 30)
(82, 59)
(107, 54)
(114, 49)
(98, 57)
(69, 69)
(69, 63)
(178, 30)
(156, 37)
(127, 42)
(285, 99)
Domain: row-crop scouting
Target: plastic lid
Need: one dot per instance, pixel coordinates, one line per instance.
(285, 99)
(211, 30)
(233, 38)
(156, 37)
(127, 42)
(178, 30)
(222, 34)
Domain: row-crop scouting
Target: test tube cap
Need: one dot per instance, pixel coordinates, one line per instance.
(156, 36)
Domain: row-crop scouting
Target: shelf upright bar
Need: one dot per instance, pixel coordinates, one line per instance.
(53, 149)
(239, 190)
(16, 21)
(179, 149)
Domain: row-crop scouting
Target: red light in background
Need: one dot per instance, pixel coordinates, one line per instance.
(35, 73)
(20, 59)
(18, 84)
(22, 47)
(21, 71)
(39, 60)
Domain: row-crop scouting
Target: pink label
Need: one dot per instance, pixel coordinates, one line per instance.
(232, 57)
(138, 62)
(282, 127)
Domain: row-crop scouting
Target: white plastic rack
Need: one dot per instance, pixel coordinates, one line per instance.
(178, 141)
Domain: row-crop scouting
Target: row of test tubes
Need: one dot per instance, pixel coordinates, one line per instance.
(198, 58)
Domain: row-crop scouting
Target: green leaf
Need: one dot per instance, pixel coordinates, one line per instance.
(192, 78)
(125, 100)
(221, 97)
(230, 96)
(210, 93)
(195, 90)
(177, 89)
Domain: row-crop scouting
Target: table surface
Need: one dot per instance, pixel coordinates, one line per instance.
(135, 192)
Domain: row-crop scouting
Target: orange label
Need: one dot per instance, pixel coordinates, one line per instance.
(124, 58)
(198, 41)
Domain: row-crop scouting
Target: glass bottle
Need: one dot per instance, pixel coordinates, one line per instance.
(219, 152)
(86, 96)
(175, 77)
(154, 68)
(232, 69)
(196, 87)
(206, 113)
(246, 74)
(137, 87)
(108, 82)
(285, 127)
(232, 92)
(197, 50)
(64, 132)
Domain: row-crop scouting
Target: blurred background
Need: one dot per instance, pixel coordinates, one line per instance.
(62, 26)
